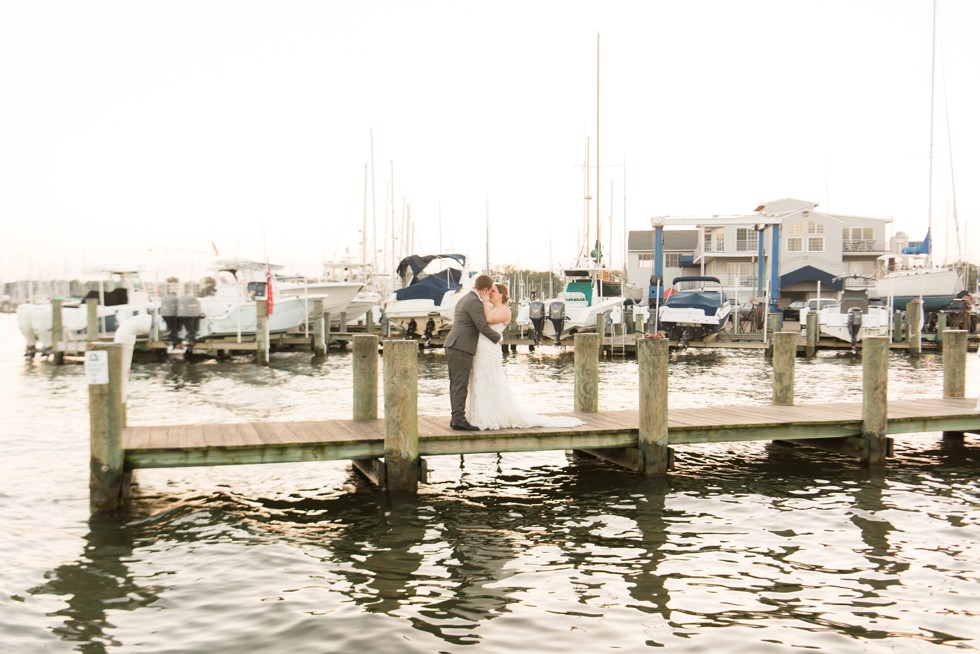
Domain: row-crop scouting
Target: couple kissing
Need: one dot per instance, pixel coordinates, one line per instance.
(479, 391)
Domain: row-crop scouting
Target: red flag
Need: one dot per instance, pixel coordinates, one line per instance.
(268, 289)
(215, 248)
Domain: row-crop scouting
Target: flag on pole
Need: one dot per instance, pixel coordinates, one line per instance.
(268, 289)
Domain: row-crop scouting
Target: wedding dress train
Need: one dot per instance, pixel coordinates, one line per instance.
(490, 401)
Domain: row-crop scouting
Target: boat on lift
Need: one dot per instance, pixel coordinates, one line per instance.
(431, 286)
(858, 315)
(695, 308)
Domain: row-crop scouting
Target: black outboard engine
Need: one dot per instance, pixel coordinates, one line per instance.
(535, 311)
(430, 330)
(854, 317)
(168, 311)
(556, 314)
(412, 331)
(189, 317)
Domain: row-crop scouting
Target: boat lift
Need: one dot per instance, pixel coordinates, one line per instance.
(761, 224)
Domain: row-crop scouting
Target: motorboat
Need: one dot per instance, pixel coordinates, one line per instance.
(857, 316)
(694, 308)
(337, 296)
(901, 278)
(431, 286)
(121, 295)
(589, 291)
(230, 310)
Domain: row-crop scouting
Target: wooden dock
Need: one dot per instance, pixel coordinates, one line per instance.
(389, 450)
(174, 446)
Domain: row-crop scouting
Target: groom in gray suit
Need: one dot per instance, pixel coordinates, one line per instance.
(468, 323)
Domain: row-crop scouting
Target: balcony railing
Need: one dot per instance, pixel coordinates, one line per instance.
(863, 245)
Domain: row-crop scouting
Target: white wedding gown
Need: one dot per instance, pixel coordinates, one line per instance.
(490, 402)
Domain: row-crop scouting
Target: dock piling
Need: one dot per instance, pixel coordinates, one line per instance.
(653, 355)
(365, 376)
(92, 319)
(812, 333)
(913, 310)
(402, 466)
(783, 367)
(587, 350)
(954, 369)
(874, 407)
(262, 332)
(319, 343)
(106, 421)
(57, 333)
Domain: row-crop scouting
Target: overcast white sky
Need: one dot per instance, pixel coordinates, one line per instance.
(138, 132)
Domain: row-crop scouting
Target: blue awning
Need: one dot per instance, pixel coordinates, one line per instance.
(810, 274)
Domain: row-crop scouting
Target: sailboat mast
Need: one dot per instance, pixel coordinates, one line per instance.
(598, 241)
(932, 119)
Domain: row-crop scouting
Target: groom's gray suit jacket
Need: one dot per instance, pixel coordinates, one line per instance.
(468, 323)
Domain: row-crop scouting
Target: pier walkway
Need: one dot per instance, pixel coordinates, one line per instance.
(389, 450)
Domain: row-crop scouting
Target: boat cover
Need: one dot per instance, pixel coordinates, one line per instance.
(431, 287)
(708, 302)
(415, 264)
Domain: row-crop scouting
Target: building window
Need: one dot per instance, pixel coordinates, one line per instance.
(814, 244)
(645, 261)
(746, 239)
(719, 239)
(672, 260)
(794, 244)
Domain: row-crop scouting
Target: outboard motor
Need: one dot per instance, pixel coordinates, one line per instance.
(535, 311)
(430, 329)
(556, 314)
(168, 311)
(412, 331)
(189, 318)
(854, 317)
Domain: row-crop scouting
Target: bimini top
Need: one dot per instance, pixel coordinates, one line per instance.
(422, 284)
(411, 268)
(696, 278)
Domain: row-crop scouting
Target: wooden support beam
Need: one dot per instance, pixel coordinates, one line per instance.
(783, 367)
(319, 342)
(262, 332)
(812, 333)
(653, 356)
(954, 369)
(914, 312)
(587, 350)
(874, 407)
(365, 377)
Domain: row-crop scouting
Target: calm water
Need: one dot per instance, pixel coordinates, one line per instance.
(745, 548)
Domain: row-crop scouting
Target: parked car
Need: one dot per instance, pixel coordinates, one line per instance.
(792, 312)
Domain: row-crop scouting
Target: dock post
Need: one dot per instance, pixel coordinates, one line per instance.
(401, 392)
(783, 367)
(369, 322)
(262, 332)
(326, 329)
(954, 369)
(343, 322)
(652, 356)
(319, 345)
(106, 420)
(92, 319)
(587, 350)
(365, 377)
(874, 410)
(774, 323)
(812, 333)
(913, 311)
(57, 332)
(941, 329)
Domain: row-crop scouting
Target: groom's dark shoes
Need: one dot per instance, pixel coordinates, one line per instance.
(463, 426)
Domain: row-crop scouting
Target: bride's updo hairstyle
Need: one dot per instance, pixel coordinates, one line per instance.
(502, 288)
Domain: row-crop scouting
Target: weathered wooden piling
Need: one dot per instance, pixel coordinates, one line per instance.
(783, 367)
(106, 422)
(319, 343)
(57, 332)
(954, 369)
(812, 333)
(92, 319)
(587, 350)
(914, 312)
(402, 468)
(365, 376)
(262, 332)
(653, 355)
(874, 407)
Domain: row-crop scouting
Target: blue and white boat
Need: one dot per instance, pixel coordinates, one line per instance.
(695, 309)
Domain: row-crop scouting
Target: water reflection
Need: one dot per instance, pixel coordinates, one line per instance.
(99, 581)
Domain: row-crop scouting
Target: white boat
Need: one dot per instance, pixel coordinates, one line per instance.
(121, 295)
(230, 311)
(856, 317)
(901, 278)
(589, 291)
(337, 297)
(431, 286)
(695, 308)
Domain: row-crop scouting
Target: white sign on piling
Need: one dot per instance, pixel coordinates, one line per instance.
(97, 367)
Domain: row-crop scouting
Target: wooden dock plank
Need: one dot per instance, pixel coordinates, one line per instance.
(312, 440)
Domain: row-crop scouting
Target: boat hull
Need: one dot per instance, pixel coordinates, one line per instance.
(936, 286)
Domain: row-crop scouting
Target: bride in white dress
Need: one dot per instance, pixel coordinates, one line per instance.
(490, 403)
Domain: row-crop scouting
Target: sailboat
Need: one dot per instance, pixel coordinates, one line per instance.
(910, 274)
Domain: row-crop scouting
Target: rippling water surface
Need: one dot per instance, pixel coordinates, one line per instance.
(744, 548)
